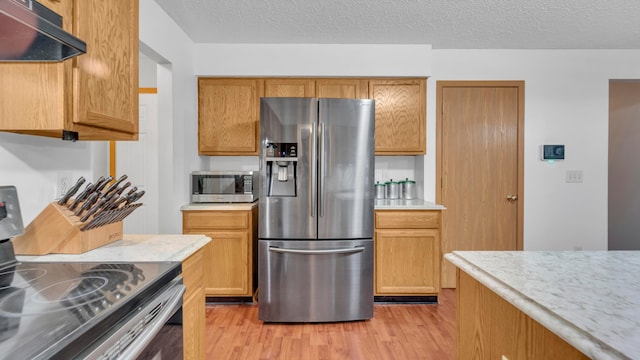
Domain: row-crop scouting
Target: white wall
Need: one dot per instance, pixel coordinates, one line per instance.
(33, 163)
(165, 42)
(566, 102)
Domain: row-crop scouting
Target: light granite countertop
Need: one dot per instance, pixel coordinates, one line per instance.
(591, 299)
(399, 204)
(134, 248)
(385, 204)
(218, 206)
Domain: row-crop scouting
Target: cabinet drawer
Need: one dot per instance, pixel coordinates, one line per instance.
(216, 220)
(407, 219)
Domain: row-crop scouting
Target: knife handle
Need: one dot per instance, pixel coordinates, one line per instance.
(114, 186)
(82, 196)
(121, 189)
(93, 210)
(133, 189)
(87, 204)
(71, 191)
(103, 184)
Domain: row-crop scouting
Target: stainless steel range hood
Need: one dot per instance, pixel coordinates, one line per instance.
(30, 31)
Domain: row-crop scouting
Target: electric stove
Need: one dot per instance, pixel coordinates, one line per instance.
(54, 310)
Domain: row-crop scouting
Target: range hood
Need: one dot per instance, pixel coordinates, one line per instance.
(29, 31)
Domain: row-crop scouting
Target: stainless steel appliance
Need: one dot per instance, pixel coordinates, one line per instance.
(316, 210)
(32, 32)
(224, 186)
(84, 310)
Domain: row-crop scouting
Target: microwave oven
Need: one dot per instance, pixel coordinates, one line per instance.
(224, 186)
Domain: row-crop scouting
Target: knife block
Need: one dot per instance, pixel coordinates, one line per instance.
(56, 230)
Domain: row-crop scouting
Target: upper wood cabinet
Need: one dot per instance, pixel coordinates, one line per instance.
(400, 116)
(229, 116)
(289, 88)
(229, 110)
(342, 88)
(94, 94)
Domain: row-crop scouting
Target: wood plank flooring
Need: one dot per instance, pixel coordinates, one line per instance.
(397, 331)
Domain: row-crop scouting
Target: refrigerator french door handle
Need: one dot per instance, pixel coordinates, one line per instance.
(322, 172)
(314, 170)
(352, 250)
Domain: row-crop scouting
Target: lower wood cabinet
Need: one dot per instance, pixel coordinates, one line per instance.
(193, 307)
(230, 259)
(488, 327)
(407, 253)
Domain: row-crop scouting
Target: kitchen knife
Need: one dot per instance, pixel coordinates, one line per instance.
(115, 185)
(71, 191)
(133, 189)
(93, 209)
(82, 197)
(134, 197)
(121, 189)
(87, 204)
(103, 183)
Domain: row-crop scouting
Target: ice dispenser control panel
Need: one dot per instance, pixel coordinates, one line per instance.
(282, 161)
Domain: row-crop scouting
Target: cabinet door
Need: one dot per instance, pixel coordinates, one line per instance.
(226, 263)
(289, 88)
(407, 262)
(342, 88)
(400, 116)
(228, 116)
(105, 79)
(193, 307)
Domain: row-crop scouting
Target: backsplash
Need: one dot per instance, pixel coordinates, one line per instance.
(387, 167)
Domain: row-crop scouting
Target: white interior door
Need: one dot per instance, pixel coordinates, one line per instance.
(139, 160)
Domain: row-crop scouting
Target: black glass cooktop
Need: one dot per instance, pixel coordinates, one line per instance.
(54, 310)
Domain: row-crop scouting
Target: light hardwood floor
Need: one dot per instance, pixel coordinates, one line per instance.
(398, 331)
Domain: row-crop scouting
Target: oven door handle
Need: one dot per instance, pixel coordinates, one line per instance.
(146, 336)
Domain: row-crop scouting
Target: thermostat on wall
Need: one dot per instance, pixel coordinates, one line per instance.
(552, 152)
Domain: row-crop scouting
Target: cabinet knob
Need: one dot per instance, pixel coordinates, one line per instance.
(512, 198)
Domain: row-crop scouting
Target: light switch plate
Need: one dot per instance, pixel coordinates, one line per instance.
(574, 176)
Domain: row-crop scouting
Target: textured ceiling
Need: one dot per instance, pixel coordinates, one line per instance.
(445, 24)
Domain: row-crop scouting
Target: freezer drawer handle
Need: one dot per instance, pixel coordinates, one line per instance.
(318, 252)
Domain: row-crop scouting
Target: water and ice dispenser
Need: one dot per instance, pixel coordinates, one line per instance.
(282, 161)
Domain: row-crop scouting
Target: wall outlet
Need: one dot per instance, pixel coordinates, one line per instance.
(64, 183)
(574, 176)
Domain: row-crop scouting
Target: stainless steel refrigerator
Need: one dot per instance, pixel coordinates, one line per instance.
(315, 257)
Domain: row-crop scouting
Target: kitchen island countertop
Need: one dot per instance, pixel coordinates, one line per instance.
(135, 248)
(218, 206)
(588, 298)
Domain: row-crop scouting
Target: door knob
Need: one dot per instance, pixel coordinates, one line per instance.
(512, 198)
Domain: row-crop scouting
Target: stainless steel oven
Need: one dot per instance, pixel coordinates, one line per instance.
(85, 310)
(153, 331)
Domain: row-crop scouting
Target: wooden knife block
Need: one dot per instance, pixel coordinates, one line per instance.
(56, 230)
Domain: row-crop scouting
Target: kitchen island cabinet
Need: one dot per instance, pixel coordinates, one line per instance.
(230, 261)
(547, 305)
(139, 248)
(407, 253)
(94, 95)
